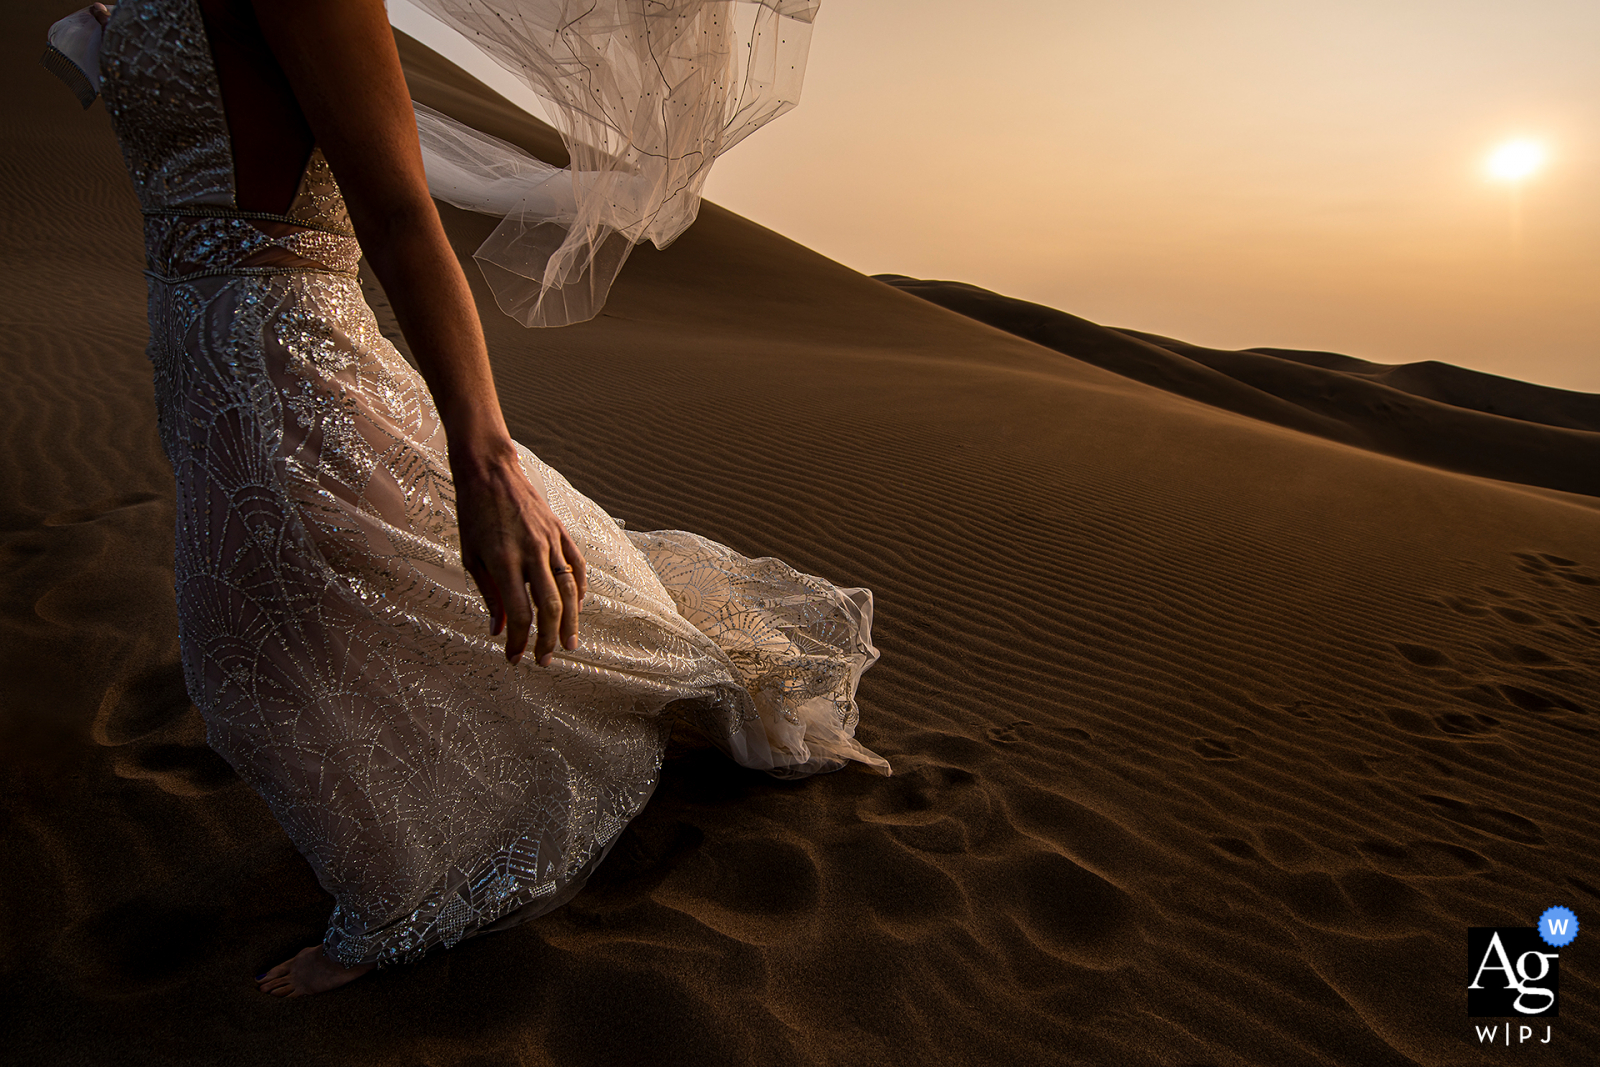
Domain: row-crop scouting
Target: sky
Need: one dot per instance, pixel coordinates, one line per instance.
(1233, 173)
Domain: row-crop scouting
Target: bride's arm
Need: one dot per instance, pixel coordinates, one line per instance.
(340, 59)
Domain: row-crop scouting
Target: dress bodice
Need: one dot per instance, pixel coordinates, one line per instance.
(165, 102)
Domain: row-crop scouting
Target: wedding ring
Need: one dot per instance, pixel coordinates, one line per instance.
(561, 570)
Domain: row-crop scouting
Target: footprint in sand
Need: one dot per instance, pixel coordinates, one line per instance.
(1536, 566)
(1422, 655)
(1423, 859)
(1454, 723)
(143, 705)
(1550, 571)
(1545, 654)
(931, 808)
(1412, 722)
(1522, 654)
(1306, 711)
(754, 888)
(1464, 724)
(1009, 734)
(1213, 749)
(1518, 616)
(1550, 708)
(761, 877)
(1545, 565)
(1065, 911)
(159, 734)
(1432, 664)
(1494, 821)
(1539, 702)
(1466, 605)
(1236, 846)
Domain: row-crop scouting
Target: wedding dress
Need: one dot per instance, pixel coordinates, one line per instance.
(338, 652)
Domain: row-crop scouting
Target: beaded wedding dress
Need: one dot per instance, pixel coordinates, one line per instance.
(333, 643)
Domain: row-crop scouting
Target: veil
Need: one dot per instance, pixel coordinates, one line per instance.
(645, 93)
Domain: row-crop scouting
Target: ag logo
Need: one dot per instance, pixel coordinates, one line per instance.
(1510, 971)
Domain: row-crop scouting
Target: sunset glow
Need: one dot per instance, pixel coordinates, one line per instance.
(1236, 173)
(1516, 160)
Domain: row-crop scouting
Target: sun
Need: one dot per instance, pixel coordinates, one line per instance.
(1515, 160)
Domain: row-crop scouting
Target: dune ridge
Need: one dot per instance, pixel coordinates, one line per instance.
(1430, 412)
(1212, 734)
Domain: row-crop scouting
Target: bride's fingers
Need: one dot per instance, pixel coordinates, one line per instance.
(491, 596)
(566, 577)
(575, 560)
(518, 612)
(549, 599)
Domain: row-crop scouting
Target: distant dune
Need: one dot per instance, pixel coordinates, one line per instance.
(1434, 413)
(1224, 691)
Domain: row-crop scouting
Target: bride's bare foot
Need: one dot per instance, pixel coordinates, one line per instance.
(310, 971)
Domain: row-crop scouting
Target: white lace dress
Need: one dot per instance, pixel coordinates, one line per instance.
(330, 638)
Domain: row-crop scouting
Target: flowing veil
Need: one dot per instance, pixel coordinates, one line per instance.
(645, 93)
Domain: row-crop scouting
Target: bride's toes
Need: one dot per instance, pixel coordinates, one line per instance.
(310, 971)
(278, 985)
(284, 979)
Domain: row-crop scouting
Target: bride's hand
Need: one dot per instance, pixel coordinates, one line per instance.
(341, 62)
(511, 540)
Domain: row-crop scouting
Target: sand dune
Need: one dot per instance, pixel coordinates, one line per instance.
(1434, 413)
(1214, 726)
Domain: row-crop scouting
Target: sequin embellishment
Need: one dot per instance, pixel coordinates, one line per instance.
(339, 654)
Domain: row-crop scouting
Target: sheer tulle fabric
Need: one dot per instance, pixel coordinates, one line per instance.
(335, 647)
(646, 94)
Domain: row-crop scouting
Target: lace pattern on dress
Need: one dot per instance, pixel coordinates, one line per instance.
(337, 651)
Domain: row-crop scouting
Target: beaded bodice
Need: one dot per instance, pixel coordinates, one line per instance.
(165, 102)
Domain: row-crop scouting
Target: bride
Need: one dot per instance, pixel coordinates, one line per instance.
(351, 537)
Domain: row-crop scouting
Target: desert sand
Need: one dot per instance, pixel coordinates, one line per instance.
(1221, 699)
